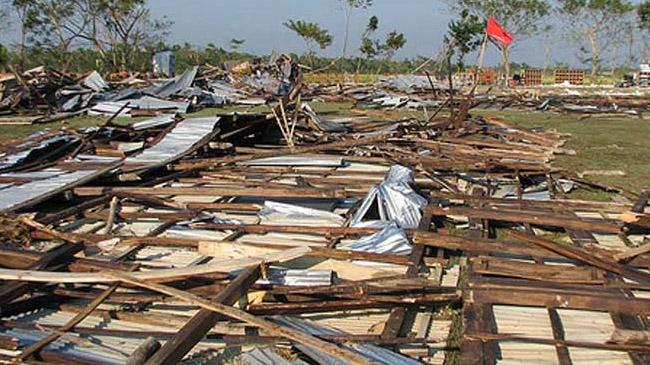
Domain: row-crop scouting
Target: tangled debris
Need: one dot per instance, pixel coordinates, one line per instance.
(291, 238)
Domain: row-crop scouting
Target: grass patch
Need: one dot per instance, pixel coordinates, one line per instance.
(600, 143)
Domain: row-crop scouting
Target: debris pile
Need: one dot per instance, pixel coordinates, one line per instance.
(288, 238)
(42, 95)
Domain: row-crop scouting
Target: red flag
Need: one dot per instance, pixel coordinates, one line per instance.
(497, 32)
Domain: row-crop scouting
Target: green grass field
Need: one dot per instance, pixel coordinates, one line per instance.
(600, 143)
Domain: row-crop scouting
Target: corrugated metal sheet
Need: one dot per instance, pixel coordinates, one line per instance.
(176, 85)
(18, 194)
(291, 277)
(267, 356)
(158, 121)
(11, 160)
(377, 354)
(109, 108)
(179, 140)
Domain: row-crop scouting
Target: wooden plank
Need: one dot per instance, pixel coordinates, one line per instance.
(581, 255)
(563, 355)
(530, 216)
(60, 256)
(558, 299)
(553, 342)
(196, 328)
(207, 163)
(221, 191)
(555, 273)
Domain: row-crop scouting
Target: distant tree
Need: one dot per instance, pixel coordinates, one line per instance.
(25, 12)
(372, 48)
(394, 42)
(117, 29)
(593, 25)
(464, 35)
(348, 8)
(522, 18)
(368, 46)
(4, 57)
(643, 13)
(235, 44)
(312, 34)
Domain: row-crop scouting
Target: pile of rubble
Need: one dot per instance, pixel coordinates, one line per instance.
(42, 95)
(425, 92)
(287, 238)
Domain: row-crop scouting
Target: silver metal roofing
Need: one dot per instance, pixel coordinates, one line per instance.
(267, 356)
(18, 194)
(377, 354)
(158, 121)
(390, 240)
(176, 85)
(395, 200)
(185, 135)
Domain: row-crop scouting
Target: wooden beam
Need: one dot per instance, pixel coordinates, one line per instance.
(563, 355)
(295, 192)
(532, 217)
(60, 256)
(196, 328)
(271, 328)
(581, 255)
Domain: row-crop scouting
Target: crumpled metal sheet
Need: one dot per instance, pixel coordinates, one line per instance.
(19, 194)
(203, 97)
(324, 125)
(274, 211)
(225, 90)
(390, 240)
(95, 82)
(183, 137)
(174, 86)
(374, 353)
(395, 200)
(266, 356)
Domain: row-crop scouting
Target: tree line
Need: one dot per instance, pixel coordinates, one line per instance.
(121, 35)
